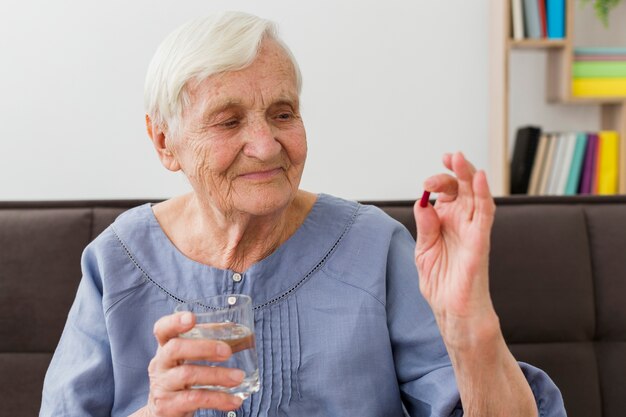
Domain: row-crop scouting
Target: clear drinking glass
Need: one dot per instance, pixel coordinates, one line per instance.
(227, 318)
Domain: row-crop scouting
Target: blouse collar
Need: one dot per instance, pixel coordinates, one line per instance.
(266, 281)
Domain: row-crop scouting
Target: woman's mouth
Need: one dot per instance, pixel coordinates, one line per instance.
(261, 175)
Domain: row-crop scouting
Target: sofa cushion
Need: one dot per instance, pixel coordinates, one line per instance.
(611, 357)
(21, 380)
(540, 274)
(103, 217)
(607, 235)
(40, 268)
(572, 366)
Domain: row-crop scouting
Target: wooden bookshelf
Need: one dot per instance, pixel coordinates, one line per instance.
(559, 81)
(536, 43)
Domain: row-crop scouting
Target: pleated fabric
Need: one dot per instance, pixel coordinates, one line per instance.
(278, 351)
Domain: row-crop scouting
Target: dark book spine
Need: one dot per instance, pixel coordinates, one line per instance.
(526, 141)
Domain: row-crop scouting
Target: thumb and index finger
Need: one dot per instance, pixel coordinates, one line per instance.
(427, 222)
(426, 218)
(468, 183)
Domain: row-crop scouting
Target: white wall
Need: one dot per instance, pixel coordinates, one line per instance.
(388, 87)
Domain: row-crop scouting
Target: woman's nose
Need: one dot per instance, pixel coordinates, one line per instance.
(261, 142)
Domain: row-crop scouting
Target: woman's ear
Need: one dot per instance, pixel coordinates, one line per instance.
(159, 138)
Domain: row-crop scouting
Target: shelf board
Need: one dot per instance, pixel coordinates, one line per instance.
(597, 100)
(537, 43)
(589, 100)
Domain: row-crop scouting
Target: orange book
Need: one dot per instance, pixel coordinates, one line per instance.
(608, 163)
(599, 87)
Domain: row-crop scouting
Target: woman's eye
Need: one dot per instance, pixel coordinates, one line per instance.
(284, 116)
(229, 124)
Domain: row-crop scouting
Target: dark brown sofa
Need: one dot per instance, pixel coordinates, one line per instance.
(558, 280)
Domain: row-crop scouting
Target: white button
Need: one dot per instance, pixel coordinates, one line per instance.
(232, 414)
(236, 278)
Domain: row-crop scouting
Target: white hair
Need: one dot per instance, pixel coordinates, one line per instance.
(225, 41)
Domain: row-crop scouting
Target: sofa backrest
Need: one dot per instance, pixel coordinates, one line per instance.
(557, 278)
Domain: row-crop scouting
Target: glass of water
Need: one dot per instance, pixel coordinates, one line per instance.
(227, 318)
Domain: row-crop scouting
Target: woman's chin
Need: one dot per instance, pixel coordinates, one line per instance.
(263, 202)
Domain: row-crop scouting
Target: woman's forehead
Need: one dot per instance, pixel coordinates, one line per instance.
(264, 82)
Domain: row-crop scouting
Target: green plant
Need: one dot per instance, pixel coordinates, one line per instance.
(603, 8)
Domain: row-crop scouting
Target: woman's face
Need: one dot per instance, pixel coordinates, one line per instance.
(242, 143)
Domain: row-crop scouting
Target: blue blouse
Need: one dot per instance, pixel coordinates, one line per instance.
(341, 326)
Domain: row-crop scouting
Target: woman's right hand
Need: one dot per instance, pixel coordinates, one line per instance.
(171, 378)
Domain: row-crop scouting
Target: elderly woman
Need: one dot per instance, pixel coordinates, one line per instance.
(344, 327)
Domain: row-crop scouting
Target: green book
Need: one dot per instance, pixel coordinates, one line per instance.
(571, 188)
(599, 69)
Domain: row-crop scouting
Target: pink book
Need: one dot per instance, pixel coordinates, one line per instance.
(599, 57)
(596, 167)
(589, 168)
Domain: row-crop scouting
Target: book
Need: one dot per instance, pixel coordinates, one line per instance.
(538, 165)
(554, 164)
(549, 163)
(595, 50)
(599, 69)
(542, 18)
(599, 87)
(555, 11)
(589, 165)
(526, 141)
(517, 17)
(532, 22)
(557, 166)
(594, 178)
(594, 58)
(569, 143)
(608, 162)
(573, 179)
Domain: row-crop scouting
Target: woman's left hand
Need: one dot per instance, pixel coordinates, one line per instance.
(452, 252)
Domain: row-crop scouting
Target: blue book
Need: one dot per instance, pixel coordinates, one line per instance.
(606, 50)
(576, 169)
(532, 21)
(555, 9)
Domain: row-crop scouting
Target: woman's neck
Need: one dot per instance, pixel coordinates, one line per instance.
(233, 240)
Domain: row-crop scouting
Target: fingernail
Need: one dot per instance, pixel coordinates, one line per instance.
(424, 200)
(236, 375)
(223, 349)
(236, 401)
(186, 318)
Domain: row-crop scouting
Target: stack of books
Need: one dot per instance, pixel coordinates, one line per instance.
(537, 19)
(599, 72)
(565, 163)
